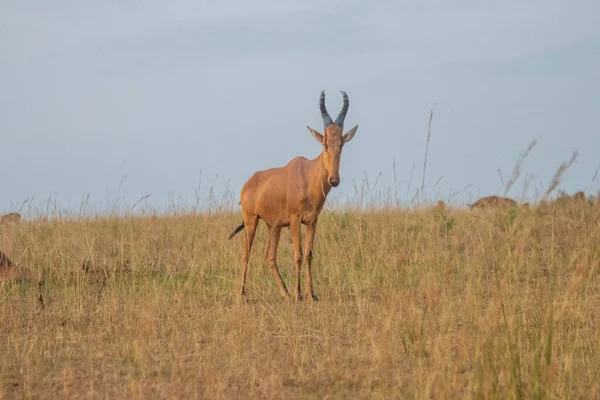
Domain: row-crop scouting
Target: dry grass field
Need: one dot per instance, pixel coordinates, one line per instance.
(432, 303)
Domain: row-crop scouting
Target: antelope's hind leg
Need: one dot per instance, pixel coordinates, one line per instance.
(250, 224)
(274, 234)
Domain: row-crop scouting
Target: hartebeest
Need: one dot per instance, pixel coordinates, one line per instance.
(11, 272)
(493, 202)
(293, 195)
(578, 197)
(11, 218)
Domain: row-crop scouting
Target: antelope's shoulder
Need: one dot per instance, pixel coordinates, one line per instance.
(297, 161)
(266, 173)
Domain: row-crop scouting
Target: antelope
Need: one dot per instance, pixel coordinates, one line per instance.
(10, 272)
(11, 218)
(492, 202)
(579, 196)
(291, 196)
(5, 262)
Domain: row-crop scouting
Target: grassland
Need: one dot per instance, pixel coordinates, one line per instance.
(425, 303)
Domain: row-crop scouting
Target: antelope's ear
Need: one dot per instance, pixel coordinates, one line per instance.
(349, 135)
(318, 137)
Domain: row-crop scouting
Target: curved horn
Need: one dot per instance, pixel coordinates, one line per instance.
(339, 121)
(326, 118)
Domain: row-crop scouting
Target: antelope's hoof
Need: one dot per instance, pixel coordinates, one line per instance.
(312, 297)
(299, 297)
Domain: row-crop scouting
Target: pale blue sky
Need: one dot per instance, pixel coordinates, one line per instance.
(167, 92)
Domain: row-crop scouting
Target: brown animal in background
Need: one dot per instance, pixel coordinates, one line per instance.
(440, 205)
(14, 218)
(7, 269)
(11, 272)
(293, 195)
(493, 202)
(579, 196)
(5, 262)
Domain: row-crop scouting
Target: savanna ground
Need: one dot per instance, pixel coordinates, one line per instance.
(425, 303)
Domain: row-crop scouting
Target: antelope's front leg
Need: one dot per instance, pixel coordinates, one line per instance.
(310, 239)
(295, 228)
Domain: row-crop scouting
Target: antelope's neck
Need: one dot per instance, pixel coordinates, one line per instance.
(319, 178)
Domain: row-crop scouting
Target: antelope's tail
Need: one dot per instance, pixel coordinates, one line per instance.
(239, 228)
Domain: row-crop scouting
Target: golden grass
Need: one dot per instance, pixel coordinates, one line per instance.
(437, 303)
